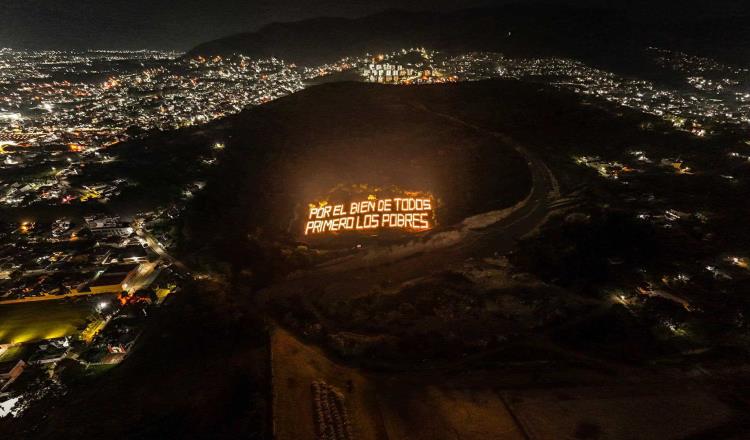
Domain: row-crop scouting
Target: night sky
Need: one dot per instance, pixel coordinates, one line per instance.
(170, 24)
(181, 24)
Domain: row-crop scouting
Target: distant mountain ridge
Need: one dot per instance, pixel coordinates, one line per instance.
(598, 33)
(327, 39)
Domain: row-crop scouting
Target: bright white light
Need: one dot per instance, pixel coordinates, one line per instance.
(10, 116)
(6, 407)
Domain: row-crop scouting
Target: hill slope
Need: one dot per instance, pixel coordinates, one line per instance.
(598, 34)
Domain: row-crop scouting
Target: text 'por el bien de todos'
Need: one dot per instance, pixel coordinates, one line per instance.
(408, 213)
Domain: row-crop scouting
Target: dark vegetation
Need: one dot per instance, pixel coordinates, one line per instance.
(583, 251)
(426, 322)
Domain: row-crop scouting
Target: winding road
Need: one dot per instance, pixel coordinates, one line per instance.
(487, 234)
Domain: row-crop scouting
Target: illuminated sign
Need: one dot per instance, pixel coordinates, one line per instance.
(408, 213)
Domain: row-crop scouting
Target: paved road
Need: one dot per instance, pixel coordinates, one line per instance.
(438, 250)
(144, 276)
(531, 214)
(478, 234)
(155, 246)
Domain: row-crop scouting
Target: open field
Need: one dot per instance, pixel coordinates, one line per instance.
(295, 367)
(506, 404)
(35, 321)
(434, 412)
(620, 413)
(379, 408)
